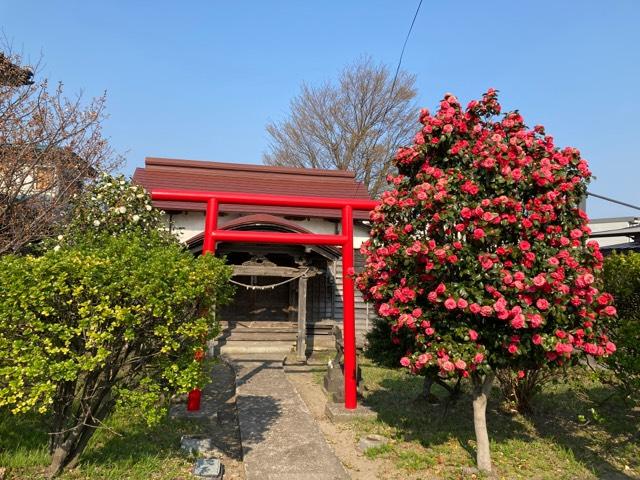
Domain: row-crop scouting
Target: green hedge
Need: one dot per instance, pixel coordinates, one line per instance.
(622, 279)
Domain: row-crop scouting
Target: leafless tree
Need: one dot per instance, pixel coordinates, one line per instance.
(50, 145)
(355, 124)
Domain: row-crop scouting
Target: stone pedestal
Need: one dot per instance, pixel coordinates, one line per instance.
(333, 382)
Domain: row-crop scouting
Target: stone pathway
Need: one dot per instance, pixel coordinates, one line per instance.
(280, 439)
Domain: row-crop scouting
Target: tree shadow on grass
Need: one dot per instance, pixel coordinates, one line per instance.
(398, 404)
(138, 442)
(23, 440)
(610, 431)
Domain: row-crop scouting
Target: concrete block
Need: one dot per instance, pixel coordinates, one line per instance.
(338, 414)
(372, 441)
(208, 468)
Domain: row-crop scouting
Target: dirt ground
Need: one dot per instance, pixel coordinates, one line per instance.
(341, 437)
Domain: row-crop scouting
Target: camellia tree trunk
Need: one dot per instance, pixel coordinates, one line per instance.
(481, 391)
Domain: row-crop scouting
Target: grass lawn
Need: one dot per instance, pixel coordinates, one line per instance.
(135, 452)
(561, 440)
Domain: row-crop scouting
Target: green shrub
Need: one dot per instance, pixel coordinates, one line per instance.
(112, 313)
(622, 278)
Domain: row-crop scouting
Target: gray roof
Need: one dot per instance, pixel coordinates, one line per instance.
(633, 231)
(614, 220)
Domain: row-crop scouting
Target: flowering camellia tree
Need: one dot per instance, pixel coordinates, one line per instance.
(478, 257)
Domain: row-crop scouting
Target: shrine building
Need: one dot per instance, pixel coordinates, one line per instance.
(287, 296)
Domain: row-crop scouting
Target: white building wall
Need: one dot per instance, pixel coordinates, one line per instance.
(188, 224)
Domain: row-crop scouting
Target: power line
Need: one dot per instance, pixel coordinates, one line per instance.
(395, 76)
(612, 200)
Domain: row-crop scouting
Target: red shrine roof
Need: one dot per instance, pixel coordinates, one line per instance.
(244, 178)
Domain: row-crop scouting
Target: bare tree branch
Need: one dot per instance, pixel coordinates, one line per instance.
(50, 145)
(356, 124)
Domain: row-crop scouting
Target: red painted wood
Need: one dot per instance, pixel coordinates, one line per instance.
(276, 237)
(349, 327)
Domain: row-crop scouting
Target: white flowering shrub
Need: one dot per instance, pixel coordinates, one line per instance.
(113, 205)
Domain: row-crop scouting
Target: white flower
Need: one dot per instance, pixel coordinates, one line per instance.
(60, 237)
(135, 218)
(148, 207)
(122, 182)
(96, 223)
(122, 209)
(140, 195)
(56, 248)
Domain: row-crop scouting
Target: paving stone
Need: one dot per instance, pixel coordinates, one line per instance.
(196, 444)
(208, 468)
(280, 439)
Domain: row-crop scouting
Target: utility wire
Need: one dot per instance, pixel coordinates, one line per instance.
(612, 200)
(395, 76)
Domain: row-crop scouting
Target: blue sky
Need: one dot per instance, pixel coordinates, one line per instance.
(200, 79)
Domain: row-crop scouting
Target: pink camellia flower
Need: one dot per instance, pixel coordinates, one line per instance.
(524, 245)
(450, 303)
(535, 320)
(563, 348)
(460, 364)
(384, 309)
(478, 233)
(610, 310)
(517, 321)
(429, 330)
(575, 233)
(473, 335)
(521, 374)
(405, 362)
(486, 263)
(447, 366)
(513, 348)
(536, 339)
(425, 357)
(462, 303)
(590, 348)
(542, 304)
(539, 280)
(486, 311)
(474, 308)
(610, 347)
(478, 358)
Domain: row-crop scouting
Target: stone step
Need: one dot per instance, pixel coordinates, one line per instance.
(260, 336)
(247, 347)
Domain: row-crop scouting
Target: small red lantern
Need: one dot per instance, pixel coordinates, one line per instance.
(193, 400)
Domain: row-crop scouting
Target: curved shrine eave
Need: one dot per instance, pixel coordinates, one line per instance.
(265, 222)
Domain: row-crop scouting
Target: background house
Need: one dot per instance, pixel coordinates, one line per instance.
(617, 233)
(263, 315)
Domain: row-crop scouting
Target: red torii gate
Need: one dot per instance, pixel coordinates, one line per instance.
(345, 240)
